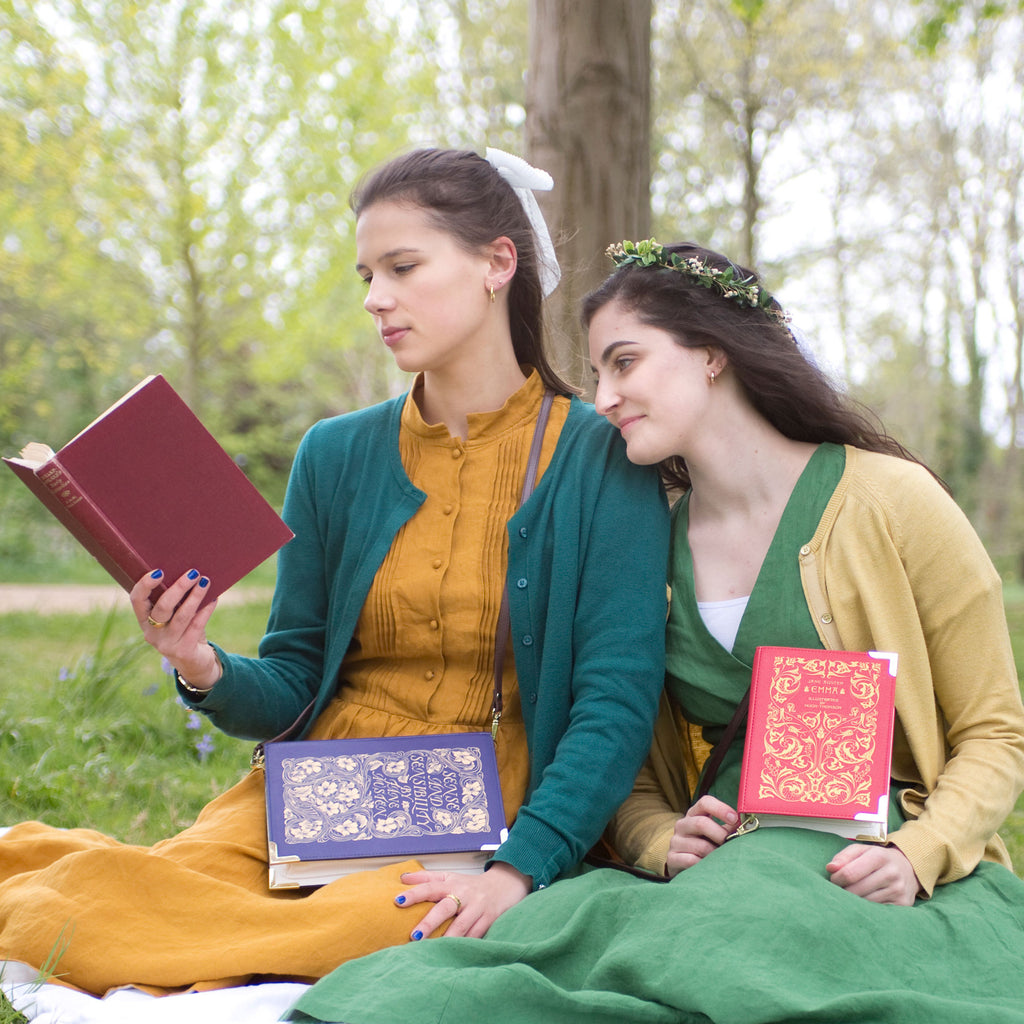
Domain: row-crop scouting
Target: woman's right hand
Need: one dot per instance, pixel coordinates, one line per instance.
(176, 626)
(707, 825)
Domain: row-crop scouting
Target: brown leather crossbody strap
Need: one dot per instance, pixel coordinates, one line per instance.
(721, 748)
(532, 463)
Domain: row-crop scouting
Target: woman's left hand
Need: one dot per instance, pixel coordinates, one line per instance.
(881, 874)
(481, 899)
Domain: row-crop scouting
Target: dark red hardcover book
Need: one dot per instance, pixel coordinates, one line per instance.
(146, 486)
(818, 747)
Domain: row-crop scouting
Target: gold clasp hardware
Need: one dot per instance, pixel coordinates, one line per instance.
(747, 824)
(259, 758)
(495, 721)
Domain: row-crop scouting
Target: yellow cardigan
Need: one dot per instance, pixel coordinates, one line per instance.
(894, 565)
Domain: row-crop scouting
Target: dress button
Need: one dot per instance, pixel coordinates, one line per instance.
(429, 674)
(456, 453)
(448, 509)
(527, 640)
(433, 623)
(437, 563)
(521, 583)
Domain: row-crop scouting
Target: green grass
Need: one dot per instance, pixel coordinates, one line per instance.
(91, 732)
(8, 1014)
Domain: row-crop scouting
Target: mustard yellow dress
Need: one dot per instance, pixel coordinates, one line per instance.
(197, 912)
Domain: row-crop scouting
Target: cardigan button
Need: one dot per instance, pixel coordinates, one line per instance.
(521, 583)
(522, 532)
(533, 698)
(527, 640)
(806, 549)
(826, 618)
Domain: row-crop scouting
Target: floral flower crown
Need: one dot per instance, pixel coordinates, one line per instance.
(744, 291)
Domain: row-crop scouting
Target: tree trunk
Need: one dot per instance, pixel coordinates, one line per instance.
(588, 114)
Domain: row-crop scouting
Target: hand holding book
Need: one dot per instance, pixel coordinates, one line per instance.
(174, 622)
(145, 488)
(704, 827)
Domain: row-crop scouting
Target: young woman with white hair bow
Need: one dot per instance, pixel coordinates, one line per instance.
(385, 618)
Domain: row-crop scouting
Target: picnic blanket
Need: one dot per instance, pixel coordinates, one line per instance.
(57, 1004)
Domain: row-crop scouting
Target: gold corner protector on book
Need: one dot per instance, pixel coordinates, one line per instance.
(278, 879)
(279, 882)
(276, 858)
(487, 847)
(890, 656)
(880, 837)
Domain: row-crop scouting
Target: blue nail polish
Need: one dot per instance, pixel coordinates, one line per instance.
(400, 900)
(204, 582)
(417, 935)
(193, 573)
(156, 574)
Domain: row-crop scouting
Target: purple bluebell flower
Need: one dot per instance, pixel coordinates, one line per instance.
(204, 746)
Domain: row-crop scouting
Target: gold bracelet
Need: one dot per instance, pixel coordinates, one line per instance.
(189, 688)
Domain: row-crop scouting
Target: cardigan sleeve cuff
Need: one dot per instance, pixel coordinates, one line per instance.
(537, 851)
(655, 853)
(928, 857)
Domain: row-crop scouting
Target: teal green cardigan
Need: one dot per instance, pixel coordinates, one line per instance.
(586, 581)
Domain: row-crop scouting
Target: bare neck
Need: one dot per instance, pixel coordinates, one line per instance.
(450, 396)
(741, 486)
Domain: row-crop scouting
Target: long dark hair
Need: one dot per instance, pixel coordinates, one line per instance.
(786, 388)
(466, 197)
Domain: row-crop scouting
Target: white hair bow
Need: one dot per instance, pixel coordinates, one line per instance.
(526, 179)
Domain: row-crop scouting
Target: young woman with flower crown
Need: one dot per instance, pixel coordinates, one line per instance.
(800, 524)
(385, 616)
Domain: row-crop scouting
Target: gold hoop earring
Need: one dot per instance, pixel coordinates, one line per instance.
(492, 293)
(712, 376)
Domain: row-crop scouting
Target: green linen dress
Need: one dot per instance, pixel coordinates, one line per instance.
(753, 933)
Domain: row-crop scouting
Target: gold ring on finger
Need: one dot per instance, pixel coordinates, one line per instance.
(154, 623)
(455, 899)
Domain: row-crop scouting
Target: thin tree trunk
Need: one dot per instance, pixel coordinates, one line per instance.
(588, 105)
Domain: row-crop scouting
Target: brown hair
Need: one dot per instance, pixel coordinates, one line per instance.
(786, 388)
(466, 197)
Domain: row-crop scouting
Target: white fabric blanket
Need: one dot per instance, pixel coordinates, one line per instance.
(55, 1004)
